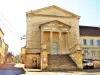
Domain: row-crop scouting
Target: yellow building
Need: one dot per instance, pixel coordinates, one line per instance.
(90, 40)
(6, 50)
(3, 48)
(22, 55)
(52, 40)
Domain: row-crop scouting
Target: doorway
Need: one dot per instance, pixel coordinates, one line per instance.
(55, 48)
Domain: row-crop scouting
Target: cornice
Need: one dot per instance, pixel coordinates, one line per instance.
(31, 15)
(51, 7)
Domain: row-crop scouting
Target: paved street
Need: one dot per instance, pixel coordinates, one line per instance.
(9, 69)
(85, 72)
(61, 73)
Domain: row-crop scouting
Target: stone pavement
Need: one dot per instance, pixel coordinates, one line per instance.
(61, 73)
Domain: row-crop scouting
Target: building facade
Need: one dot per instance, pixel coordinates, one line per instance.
(22, 55)
(52, 39)
(90, 40)
(3, 48)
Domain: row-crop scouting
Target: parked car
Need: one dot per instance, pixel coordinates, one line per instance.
(88, 64)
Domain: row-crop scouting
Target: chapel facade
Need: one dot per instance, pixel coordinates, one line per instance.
(52, 39)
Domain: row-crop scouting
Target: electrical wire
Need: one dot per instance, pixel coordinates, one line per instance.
(7, 21)
(9, 28)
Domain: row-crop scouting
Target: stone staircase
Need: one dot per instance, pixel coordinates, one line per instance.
(60, 63)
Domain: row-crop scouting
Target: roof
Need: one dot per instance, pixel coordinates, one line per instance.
(89, 31)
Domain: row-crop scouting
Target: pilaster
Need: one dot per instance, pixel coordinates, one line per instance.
(59, 46)
(50, 42)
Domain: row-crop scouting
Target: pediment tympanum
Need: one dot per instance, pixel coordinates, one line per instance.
(55, 25)
(53, 11)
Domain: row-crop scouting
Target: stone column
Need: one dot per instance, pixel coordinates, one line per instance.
(66, 39)
(67, 42)
(41, 47)
(50, 42)
(42, 37)
(59, 48)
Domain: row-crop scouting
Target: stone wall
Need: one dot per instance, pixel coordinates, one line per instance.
(33, 37)
(77, 58)
(33, 31)
(32, 61)
(96, 64)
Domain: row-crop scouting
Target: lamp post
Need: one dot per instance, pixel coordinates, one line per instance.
(21, 38)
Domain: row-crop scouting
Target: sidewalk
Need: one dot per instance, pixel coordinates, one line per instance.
(32, 70)
(19, 65)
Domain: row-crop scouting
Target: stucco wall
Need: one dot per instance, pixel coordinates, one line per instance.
(88, 38)
(91, 48)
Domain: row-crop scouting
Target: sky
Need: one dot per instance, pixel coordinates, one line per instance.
(13, 16)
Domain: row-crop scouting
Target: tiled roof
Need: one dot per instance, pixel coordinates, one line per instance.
(89, 31)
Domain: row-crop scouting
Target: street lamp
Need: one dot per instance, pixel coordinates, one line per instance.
(21, 38)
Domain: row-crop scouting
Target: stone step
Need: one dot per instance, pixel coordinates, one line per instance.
(60, 63)
(32, 70)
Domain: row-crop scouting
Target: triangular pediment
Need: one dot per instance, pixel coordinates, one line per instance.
(55, 24)
(53, 11)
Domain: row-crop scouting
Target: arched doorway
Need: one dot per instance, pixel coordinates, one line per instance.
(34, 60)
(36, 63)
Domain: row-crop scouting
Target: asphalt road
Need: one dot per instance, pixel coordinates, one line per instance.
(61, 73)
(92, 70)
(9, 69)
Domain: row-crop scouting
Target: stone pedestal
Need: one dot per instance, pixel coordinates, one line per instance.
(44, 61)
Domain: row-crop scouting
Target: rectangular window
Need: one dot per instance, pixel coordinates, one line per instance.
(84, 42)
(98, 42)
(55, 48)
(86, 54)
(98, 53)
(93, 53)
(91, 42)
